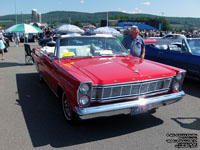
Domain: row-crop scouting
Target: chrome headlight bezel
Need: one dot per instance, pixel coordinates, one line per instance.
(178, 81)
(84, 88)
(84, 91)
(84, 100)
(179, 77)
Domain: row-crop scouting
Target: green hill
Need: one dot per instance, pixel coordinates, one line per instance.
(61, 17)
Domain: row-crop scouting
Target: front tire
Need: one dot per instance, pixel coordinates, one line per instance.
(69, 115)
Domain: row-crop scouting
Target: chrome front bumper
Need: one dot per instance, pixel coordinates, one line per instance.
(128, 107)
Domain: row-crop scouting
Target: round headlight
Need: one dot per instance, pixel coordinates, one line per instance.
(176, 86)
(84, 88)
(84, 100)
(179, 77)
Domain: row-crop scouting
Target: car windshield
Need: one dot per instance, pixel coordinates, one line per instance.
(194, 45)
(90, 46)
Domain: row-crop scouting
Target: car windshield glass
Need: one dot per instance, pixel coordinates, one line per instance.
(90, 46)
(194, 45)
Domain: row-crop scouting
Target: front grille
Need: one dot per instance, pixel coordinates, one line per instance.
(118, 91)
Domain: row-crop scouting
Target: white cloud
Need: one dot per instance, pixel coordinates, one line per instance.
(146, 3)
(129, 12)
(136, 10)
(81, 1)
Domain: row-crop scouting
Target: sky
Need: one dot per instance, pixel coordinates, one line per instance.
(168, 8)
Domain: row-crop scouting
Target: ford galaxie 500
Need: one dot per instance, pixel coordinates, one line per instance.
(94, 76)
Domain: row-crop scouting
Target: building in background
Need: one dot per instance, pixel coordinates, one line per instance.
(37, 20)
(34, 15)
(39, 17)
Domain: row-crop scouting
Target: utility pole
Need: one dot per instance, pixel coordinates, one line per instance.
(162, 20)
(107, 19)
(22, 17)
(15, 13)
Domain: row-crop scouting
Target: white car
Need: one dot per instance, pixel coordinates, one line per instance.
(169, 38)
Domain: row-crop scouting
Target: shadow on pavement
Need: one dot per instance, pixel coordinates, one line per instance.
(10, 64)
(191, 86)
(192, 123)
(46, 124)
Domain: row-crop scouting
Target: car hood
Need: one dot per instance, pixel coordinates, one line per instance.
(110, 70)
(197, 54)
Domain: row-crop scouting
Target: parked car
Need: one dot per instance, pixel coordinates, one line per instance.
(9, 36)
(94, 76)
(184, 55)
(43, 42)
(169, 38)
(7, 42)
(32, 37)
(54, 36)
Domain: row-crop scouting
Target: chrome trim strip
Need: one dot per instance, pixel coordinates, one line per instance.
(125, 107)
(134, 82)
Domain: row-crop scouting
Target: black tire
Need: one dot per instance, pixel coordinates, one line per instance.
(69, 115)
(151, 111)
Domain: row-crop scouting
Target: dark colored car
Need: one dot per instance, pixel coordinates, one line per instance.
(32, 37)
(7, 41)
(9, 36)
(185, 55)
(44, 42)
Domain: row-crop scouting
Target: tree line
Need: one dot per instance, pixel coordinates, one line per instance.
(80, 18)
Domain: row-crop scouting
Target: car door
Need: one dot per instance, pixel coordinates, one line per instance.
(177, 58)
(51, 69)
(155, 53)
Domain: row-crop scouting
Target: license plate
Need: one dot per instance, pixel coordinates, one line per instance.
(139, 110)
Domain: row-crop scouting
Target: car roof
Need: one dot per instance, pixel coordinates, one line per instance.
(193, 38)
(83, 35)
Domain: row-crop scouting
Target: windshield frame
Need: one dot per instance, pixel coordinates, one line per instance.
(121, 48)
(194, 49)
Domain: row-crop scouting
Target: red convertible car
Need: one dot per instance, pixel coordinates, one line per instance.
(94, 76)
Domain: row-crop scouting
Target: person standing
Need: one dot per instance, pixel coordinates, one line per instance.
(16, 38)
(135, 43)
(2, 45)
(25, 37)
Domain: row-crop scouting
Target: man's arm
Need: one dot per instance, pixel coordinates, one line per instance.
(143, 52)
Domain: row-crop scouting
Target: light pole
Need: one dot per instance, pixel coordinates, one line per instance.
(162, 19)
(107, 18)
(22, 17)
(15, 13)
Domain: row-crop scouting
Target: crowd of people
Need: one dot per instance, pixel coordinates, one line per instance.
(132, 39)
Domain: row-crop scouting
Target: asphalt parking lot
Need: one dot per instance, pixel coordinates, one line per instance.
(31, 117)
